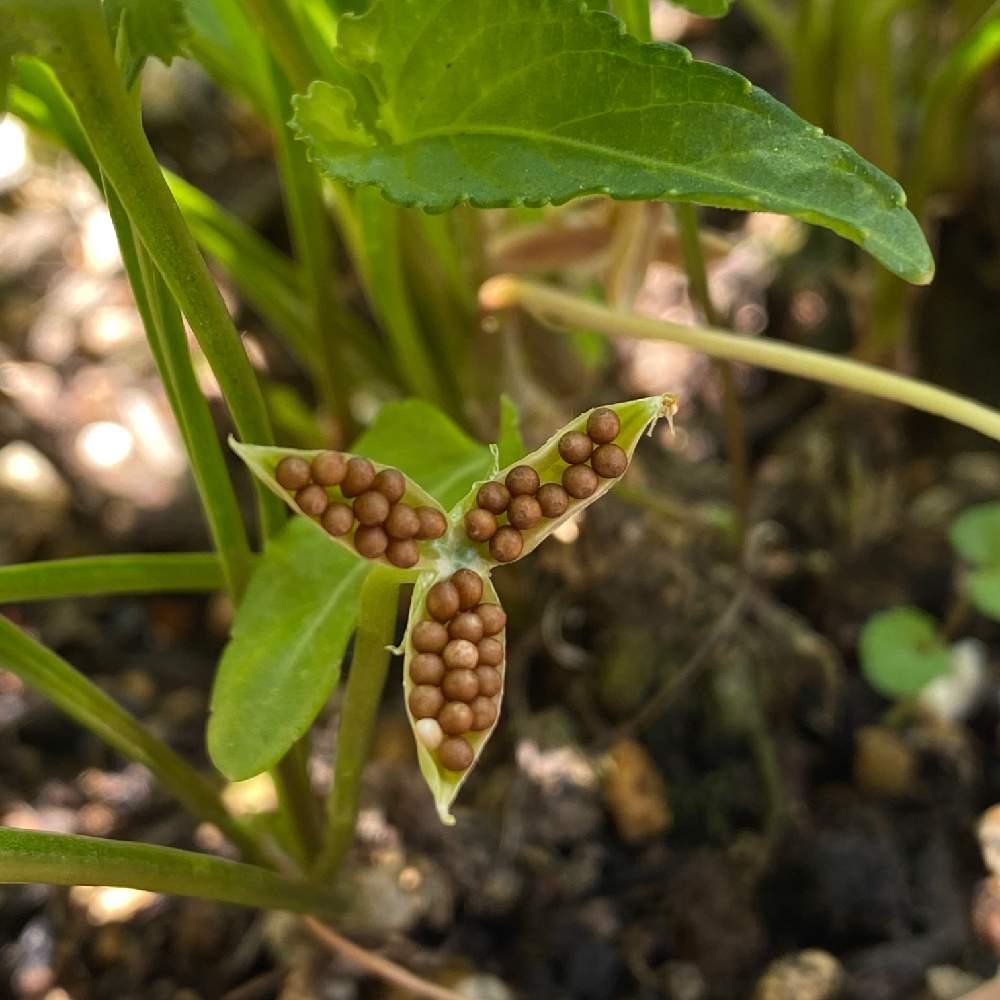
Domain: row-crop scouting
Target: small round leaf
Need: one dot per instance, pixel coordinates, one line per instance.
(984, 590)
(901, 651)
(975, 534)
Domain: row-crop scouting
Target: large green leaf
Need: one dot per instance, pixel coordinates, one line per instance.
(285, 653)
(539, 101)
(902, 651)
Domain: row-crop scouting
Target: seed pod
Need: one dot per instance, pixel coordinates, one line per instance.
(426, 668)
(402, 553)
(460, 654)
(429, 637)
(456, 754)
(337, 519)
(493, 618)
(329, 468)
(580, 481)
(484, 712)
(425, 701)
(455, 718)
(609, 461)
(470, 588)
(467, 625)
(460, 685)
(490, 652)
(603, 425)
(522, 480)
(391, 483)
(490, 681)
(553, 500)
(312, 500)
(524, 512)
(358, 477)
(371, 542)
(292, 473)
(442, 601)
(429, 733)
(402, 522)
(493, 497)
(480, 524)
(371, 508)
(575, 447)
(433, 524)
(506, 545)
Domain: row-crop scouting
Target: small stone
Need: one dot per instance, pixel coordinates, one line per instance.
(524, 512)
(480, 524)
(338, 519)
(609, 461)
(490, 681)
(425, 701)
(358, 477)
(484, 713)
(460, 685)
(460, 654)
(433, 524)
(603, 425)
(371, 542)
(329, 468)
(493, 617)
(429, 733)
(312, 500)
(575, 447)
(813, 974)
(467, 625)
(402, 522)
(442, 601)
(456, 755)
(522, 480)
(470, 588)
(490, 653)
(426, 668)
(455, 718)
(391, 483)
(403, 553)
(429, 637)
(493, 497)
(371, 508)
(292, 473)
(507, 544)
(580, 481)
(553, 500)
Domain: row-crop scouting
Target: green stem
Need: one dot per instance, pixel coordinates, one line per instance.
(85, 702)
(297, 803)
(635, 14)
(369, 666)
(91, 576)
(61, 859)
(774, 23)
(562, 309)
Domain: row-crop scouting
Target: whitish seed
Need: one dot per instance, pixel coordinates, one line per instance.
(484, 713)
(391, 483)
(580, 481)
(433, 523)
(524, 512)
(609, 461)
(292, 473)
(429, 733)
(506, 545)
(455, 718)
(426, 668)
(371, 508)
(490, 681)
(480, 524)
(493, 497)
(490, 653)
(460, 654)
(553, 500)
(460, 685)
(442, 601)
(338, 519)
(467, 625)
(603, 425)
(429, 637)
(328, 468)
(470, 588)
(402, 553)
(575, 447)
(455, 754)
(522, 480)
(425, 701)
(358, 477)
(493, 618)
(312, 500)
(371, 542)
(402, 521)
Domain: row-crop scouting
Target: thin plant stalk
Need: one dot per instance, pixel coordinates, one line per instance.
(297, 803)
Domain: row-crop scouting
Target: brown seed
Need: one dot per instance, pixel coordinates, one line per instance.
(575, 447)
(292, 472)
(442, 601)
(429, 637)
(490, 653)
(460, 654)
(490, 681)
(580, 481)
(467, 625)
(603, 425)
(391, 483)
(470, 588)
(455, 717)
(426, 668)
(460, 685)
(480, 524)
(609, 461)
(493, 497)
(425, 701)
(338, 519)
(402, 552)
(484, 713)
(402, 521)
(522, 480)
(524, 512)
(506, 545)
(433, 523)
(328, 468)
(358, 477)
(455, 754)
(312, 500)
(553, 500)
(493, 618)
(371, 508)
(371, 541)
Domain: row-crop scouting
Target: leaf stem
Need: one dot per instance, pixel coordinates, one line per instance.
(296, 802)
(564, 310)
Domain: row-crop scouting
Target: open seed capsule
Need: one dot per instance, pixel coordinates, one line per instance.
(609, 461)
(312, 500)
(493, 497)
(603, 425)
(469, 585)
(292, 473)
(442, 601)
(328, 468)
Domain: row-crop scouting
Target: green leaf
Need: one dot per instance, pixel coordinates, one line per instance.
(157, 28)
(707, 8)
(284, 656)
(510, 443)
(426, 445)
(975, 534)
(902, 651)
(539, 101)
(984, 589)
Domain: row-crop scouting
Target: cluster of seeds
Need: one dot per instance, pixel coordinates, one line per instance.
(382, 524)
(456, 670)
(524, 500)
